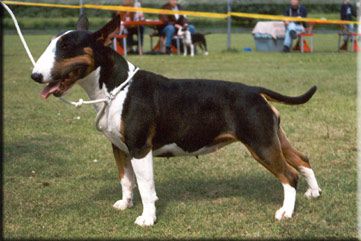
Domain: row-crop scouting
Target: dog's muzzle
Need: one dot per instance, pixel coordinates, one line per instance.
(37, 77)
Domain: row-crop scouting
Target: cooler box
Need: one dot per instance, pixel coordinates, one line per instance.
(269, 36)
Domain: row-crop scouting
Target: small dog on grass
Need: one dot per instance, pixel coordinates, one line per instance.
(191, 41)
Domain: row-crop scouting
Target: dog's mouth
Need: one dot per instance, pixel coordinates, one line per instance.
(61, 84)
(57, 88)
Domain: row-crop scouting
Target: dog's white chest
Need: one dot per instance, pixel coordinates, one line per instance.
(111, 121)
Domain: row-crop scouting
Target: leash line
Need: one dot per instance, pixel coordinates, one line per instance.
(19, 32)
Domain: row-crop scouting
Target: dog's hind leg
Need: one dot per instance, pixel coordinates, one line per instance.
(204, 46)
(259, 134)
(126, 177)
(301, 163)
(272, 158)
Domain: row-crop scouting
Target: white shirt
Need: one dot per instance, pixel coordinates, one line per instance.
(176, 15)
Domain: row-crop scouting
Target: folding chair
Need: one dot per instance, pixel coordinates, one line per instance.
(120, 37)
(122, 50)
(303, 45)
(355, 39)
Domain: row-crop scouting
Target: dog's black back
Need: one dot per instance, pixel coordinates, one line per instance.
(199, 39)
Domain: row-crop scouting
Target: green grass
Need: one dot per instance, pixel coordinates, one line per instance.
(224, 194)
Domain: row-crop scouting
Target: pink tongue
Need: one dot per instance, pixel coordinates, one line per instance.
(49, 89)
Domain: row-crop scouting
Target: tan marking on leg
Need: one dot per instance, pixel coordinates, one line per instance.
(293, 157)
(260, 160)
(301, 163)
(274, 161)
(122, 130)
(151, 134)
(148, 144)
(120, 160)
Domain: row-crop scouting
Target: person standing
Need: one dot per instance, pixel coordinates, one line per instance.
(347, 13)
(293, 28)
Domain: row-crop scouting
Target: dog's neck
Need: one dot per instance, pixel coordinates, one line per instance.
(111, 71)
(114, 68)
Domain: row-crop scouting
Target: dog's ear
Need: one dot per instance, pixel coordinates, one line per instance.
(83, 22)
(103, 35)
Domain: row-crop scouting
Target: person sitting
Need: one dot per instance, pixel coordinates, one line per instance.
(293, 28)
(172, 23)
(133, 31)
(347, 13)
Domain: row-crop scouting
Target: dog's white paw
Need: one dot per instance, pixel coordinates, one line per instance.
(282, 213)
(123, 204)
(313, 193)
(206, 53)
(145, 220)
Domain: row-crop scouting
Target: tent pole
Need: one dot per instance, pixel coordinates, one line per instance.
(229, 24)
(81, 7)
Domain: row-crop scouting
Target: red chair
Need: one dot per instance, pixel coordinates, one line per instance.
(122, 50)
(355, 39)
(302, 44)
(119, 38)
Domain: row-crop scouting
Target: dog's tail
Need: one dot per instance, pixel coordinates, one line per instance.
(276, 97)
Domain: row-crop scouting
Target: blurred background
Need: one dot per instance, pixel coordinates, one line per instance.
(52, 19)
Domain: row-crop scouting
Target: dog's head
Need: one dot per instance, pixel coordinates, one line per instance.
(70, 57)
(183, 30)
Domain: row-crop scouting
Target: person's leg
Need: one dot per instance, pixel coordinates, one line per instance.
(191, 28)
(351, 29)
(132, 32)
(169, 31)
(346, 38)
(288, 38)
(299, 28)
(345, 31)
(141, 37)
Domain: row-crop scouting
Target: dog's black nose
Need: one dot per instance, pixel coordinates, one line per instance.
(37, 77)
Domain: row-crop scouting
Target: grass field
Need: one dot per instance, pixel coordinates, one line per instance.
(54, 189)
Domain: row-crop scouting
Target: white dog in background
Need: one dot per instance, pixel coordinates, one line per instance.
(186, 35)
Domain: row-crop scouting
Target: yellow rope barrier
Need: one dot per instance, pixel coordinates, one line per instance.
(189, 13)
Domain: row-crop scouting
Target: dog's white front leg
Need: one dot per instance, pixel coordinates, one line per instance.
(143, 169)
(192, 50)
(128, 184)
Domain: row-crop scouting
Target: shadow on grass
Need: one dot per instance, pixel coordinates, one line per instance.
(262, 189)
(251, 187)
(44, 152)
